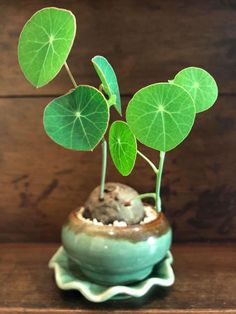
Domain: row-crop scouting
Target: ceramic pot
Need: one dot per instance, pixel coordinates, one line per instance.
(111, 255)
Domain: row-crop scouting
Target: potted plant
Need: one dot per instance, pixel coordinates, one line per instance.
(114, 238)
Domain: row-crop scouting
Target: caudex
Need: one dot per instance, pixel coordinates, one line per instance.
(159, 116)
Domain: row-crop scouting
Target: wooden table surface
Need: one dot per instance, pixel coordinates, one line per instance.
(205, 283)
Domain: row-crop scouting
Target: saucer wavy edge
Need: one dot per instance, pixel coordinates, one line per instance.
(136, 290)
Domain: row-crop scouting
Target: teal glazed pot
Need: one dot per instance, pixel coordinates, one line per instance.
(111, 255)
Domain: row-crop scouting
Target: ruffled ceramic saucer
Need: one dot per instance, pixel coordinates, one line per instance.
(68, 277)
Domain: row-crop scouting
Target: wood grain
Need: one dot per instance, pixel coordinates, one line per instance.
(205, 283)
(42, 182)
(146, 41)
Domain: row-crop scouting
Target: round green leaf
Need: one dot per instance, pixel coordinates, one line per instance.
(109, 80)
(77, 120)
(45, 43)
(161, 115)
(200, 85)
(123, 147)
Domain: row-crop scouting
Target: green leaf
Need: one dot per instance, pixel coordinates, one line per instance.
(200, 85)
(123, 147)
(77, 120)
(108, 79)
(161, 115)
(45, 43)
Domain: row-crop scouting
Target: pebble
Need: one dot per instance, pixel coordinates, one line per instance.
(96, 222)
(149, 216)
(117, 223)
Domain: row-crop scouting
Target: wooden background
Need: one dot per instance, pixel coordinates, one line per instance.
(146, 41)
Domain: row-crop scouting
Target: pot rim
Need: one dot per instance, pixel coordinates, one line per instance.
(77, 219)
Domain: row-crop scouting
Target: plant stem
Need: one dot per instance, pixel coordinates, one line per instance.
(70, 74)
(104, 159)
(104, 167)
(158, 181)
(146, 195)
(148, 161)
(104, 142)
(100, 88)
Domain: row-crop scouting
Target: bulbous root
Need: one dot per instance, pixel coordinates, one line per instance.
(120, 203)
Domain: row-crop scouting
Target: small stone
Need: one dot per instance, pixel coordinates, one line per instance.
(122, 224)
(150, 215)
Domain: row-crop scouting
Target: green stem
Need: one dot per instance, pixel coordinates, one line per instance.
(100, 88)
(104, 167)
(148, 161)
(158, 181)
(70, 74)
(146, 195)
(104, 159)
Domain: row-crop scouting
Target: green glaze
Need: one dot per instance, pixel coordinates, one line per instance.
(109, 81)
(112, 261)
(69, 277)
(161, 115)
(200, 85)
(77, 120)
(45, 43)
(109, 259)
(123, 147)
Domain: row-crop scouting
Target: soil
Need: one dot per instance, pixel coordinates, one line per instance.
(120, 203)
